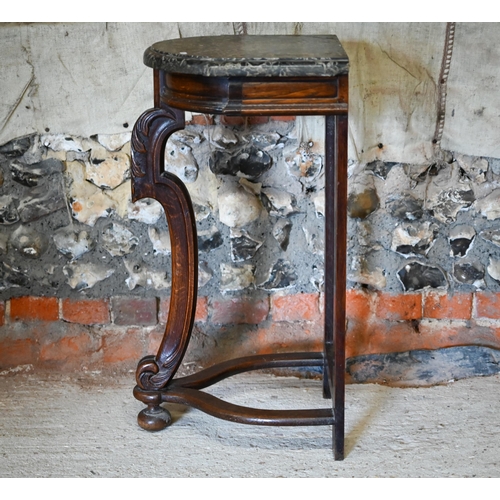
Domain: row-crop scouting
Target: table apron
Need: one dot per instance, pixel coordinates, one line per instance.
(254, 96)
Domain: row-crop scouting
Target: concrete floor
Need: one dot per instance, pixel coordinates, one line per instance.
(59, 426)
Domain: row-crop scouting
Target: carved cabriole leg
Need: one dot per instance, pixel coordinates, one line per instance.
(335, 272)
(149, 180)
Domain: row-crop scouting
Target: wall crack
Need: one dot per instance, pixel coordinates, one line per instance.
(396, 63)
(16, 104)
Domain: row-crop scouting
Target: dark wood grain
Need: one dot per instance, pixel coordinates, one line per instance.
(245, 415)
(149, 180)
(216, 373)
(335, 271)
(256, 95)
(261, 75)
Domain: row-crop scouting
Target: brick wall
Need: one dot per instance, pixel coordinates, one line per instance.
(68, 334)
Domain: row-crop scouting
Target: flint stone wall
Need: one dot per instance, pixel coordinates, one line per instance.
(69, 227)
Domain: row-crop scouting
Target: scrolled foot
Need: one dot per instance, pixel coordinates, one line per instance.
(154, 418)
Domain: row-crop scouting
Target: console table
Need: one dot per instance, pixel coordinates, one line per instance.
(242, 75)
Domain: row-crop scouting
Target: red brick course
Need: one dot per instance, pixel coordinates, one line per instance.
(359, 305)
(202, 120)
(389, 336)
(201, 314)
(71, 349)
(379, 336)
(487, 305)
(239, 311)
(445, 306)
(122, 348)
(435, 334)
(154, 339)
(34, 309)
(85, 312)
(30, 332)
(286, 337)
(15, 352)
(246, 340)
(135, 311)
(399, 307)
(299, 307)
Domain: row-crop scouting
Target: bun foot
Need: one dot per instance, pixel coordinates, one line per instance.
(154, 418)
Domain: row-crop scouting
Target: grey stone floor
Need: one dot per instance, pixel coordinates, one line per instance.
(59, 426)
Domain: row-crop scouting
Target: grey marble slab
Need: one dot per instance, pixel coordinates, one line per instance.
(250, 56)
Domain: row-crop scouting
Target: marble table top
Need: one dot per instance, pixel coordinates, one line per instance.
(250, 56)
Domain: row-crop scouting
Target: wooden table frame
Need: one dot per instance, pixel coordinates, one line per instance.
(175, 93)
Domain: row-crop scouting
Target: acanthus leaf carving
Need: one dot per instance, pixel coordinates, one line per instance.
(146, 128)
(150, 376)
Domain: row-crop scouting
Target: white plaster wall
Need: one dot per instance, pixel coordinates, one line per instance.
(88, 78)
(394, 68)
(472, 123)
(78, 79)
